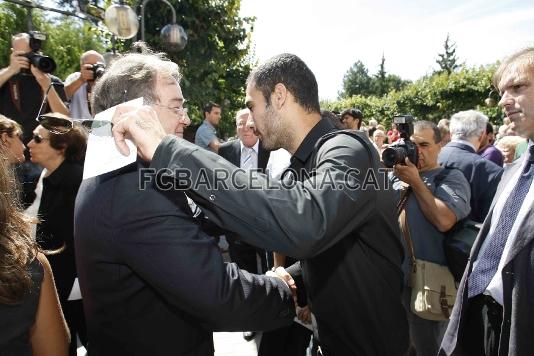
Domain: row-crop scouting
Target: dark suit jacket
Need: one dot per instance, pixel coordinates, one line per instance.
(242, 253)
(152, 282)
(483, 175)
(518, 288)
(346, 236)
(231, 151)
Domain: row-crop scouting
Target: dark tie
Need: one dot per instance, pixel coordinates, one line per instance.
(488, 261)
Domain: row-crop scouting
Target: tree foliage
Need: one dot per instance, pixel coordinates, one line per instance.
(448, 62)
(357, 81)
(431, 98)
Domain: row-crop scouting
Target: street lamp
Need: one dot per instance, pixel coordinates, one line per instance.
(122, 22)
(172, 35)
(490, 101)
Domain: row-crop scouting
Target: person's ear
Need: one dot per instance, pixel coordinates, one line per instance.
(279, 95)
(4, 138)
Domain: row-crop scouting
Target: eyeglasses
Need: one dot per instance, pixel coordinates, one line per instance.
(39, 139)
(59, 125)
(180, 112)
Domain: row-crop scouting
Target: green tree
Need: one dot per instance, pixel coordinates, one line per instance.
(448, 62)
(356, 81)
(431, 98)
(379, 85)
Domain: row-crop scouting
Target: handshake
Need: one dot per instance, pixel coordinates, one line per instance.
(303, 314)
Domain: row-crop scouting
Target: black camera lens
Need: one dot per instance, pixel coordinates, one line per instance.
(393, 155)
(43, 63)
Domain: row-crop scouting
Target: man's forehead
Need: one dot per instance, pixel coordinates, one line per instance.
(423, 135)
(514, 74)
(21, 44)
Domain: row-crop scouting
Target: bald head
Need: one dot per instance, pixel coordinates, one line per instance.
(91, 57)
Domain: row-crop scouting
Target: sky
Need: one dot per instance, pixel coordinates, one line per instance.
(331, 35)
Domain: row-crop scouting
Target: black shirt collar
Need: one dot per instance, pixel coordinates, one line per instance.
(305, 149)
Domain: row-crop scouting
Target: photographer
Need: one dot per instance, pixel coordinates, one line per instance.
(23, 85)
(434, 201)
(78, 85)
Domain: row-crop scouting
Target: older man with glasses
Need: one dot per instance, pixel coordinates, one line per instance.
(153, 283)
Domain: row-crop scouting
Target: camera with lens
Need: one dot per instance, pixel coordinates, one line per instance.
(98, 70)
(397, 152)
(43, 63)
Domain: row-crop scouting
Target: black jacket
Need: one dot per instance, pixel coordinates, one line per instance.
(483, 175)
(347, 238)
(56, 223)
(152, 282)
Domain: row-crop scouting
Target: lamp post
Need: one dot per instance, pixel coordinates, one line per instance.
(172, 34)
(490, 101)
(122, 22)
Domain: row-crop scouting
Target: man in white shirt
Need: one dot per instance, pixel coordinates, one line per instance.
(78, 85)
(494, 311)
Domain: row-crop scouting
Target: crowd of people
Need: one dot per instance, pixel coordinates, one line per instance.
(326, 241)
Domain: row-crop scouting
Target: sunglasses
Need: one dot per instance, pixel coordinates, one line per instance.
(39, 139)
(59, 125)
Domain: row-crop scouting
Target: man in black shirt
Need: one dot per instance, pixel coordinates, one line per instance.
(343, 229)
(22, 86)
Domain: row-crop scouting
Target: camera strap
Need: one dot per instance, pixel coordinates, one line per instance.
(15, 94)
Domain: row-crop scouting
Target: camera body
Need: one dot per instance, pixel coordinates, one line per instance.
(98, 70)
(397, 152)
(43, 63)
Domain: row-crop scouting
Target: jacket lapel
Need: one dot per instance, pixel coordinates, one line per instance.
(508, 173)
(524, 235)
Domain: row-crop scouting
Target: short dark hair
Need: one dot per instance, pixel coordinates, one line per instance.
(209, 106)
(73, 141)
(355, 113)
(333, 117)
(423, 124)
(294, 74)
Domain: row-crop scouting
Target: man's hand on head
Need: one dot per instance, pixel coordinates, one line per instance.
(141, 126)
(18, 61)
(407, 173)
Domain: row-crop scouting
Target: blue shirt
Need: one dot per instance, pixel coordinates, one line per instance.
(427, 240)
(206, 133)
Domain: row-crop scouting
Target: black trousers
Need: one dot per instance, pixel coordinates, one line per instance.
(481, 330)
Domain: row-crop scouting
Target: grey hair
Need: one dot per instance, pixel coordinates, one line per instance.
(241, 113)
(132, 76)
(468, 124)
